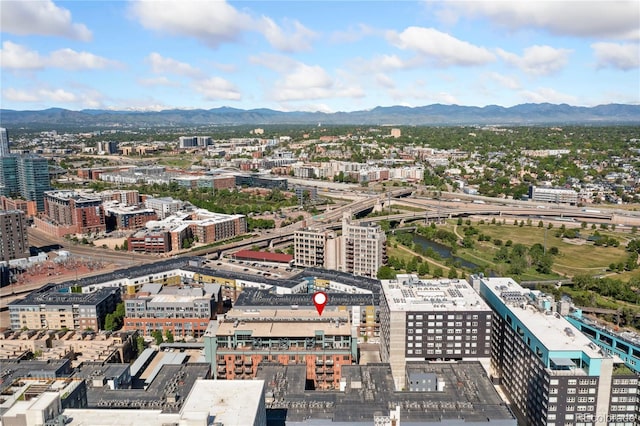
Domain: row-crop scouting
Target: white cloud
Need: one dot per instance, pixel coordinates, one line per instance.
(538, 60)
(295, 39)
(625, 56)
(40, 18)
(45, 96)
(312, 82)
(384, 80)
(157, 81)
(352, 34)
(160, 65)
(17, 57)
(71, 60)
(504, 80)
(275, 62)
(216, 88)
(615, 19)
(212, 22)
(443, 49)
(217, 22)
(546, 94)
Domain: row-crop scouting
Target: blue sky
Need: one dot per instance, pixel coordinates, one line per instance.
(316, 55)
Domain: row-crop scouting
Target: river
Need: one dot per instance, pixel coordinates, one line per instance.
(443, 251)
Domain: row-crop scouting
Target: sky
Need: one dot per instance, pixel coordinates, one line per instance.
(328, 56)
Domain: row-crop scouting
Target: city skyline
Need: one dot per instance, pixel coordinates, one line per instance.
(317, 56)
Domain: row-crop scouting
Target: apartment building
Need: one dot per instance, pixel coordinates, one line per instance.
(431, 320)
(246, 338)
(365, 248)
(69, 212)
(184, 311)
(316, 247)
(59, 306)
(552, 373)
(13, 235)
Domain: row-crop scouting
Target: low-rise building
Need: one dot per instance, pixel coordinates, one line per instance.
(60, 306)
(70, 212)
(183, 311)
(244, 339)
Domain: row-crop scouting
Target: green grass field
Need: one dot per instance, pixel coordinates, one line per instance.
(576, 257)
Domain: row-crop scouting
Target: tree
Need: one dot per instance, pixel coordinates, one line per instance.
(540, 224)
(423, 269)
(157, 335)
(140, 344)
(453, 273)
(438, 272)
(386, 273)
(168, 336)
(109, 322)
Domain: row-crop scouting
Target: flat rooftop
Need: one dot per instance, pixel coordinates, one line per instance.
(553, 331)
(230, 402)
(284, 323)
(468, 395)
(409, 293)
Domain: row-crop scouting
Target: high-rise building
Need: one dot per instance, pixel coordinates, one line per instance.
(33, 178)
(26, 176)
(4, 142)
(365, 248)
(13, 235)
(316, 247)
(431, 320)
(552, 373)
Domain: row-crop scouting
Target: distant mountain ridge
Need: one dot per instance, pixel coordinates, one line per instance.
(428, 115)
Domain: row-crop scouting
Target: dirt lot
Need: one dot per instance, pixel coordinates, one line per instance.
(52, 270)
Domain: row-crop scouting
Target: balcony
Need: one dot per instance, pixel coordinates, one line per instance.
(221, 361)
(248, 370)
(238, 362)
(238, 370)
(248, 361)
(319, 362)
(222, 370)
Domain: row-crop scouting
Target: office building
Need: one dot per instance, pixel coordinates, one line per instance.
(244, 339)
(551, 372)
(261, 181)
(553, 195)
(431, 320)
(365, 248)
(13, 235)
(58, 306)
(69, 212)
(184, 311)
(107, 147)
(4, 142)
(26, 176)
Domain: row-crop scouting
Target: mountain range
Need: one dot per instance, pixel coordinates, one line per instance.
(429, 115)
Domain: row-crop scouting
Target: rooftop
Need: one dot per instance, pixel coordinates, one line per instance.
(369, 390)
(409, 293)
(553, 330)
(284, 323)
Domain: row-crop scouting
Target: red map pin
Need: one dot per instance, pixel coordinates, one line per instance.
(320, 300)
